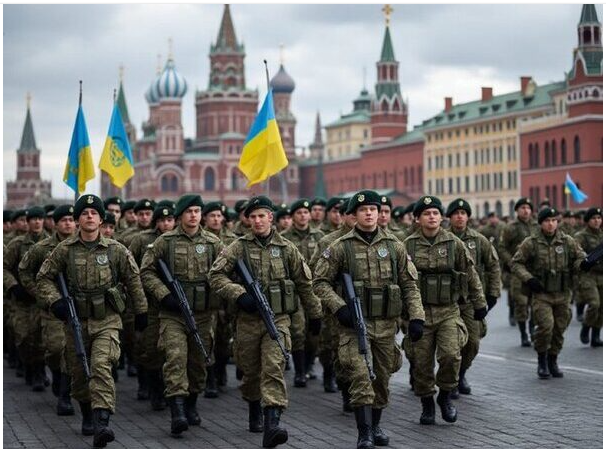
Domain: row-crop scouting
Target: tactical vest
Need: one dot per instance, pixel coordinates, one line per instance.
(474, 246)
(555, 274)
(382, 302)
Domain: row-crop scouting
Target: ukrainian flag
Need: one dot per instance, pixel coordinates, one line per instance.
(263, 154)
(79, 167)
(117, 158)
(571, 188)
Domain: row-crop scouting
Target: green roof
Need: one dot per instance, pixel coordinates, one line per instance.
(28, 141)
(387, 50)
(593, 61)
(589, 14)
(504, 104)
(359, 116)
(121, 100)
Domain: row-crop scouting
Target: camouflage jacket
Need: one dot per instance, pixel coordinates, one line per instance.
(492, 233)
(14, 253)
(306, 240)
(398, 232)
(512, 235)
(241, 229)
(141, 242)
(325, 242)
(126, 237)
(590, 240)
(225, 234)
(328, 227)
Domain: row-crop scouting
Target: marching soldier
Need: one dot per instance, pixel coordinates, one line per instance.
(144, 210)
(318, 212)
(18, 225)
(128, 219)
(113, 205)
(93, 267)
(385, 219)
(332, 220)
(283, 218)
(384, 277)
(282, 273)
(546, 263)
(242, 226)
(49, 223)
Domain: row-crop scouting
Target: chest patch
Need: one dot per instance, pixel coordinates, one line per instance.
(200, 248)
(471, 245)
(442, 252)
(559, 249)
(382, 252)
(326, 253)
(275, 251)
(102, 259)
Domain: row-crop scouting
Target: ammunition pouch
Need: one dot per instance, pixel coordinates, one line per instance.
(115, 300)
(556, 281)
(441, 288)
(199, 296)
(281, 296)
(379, 302)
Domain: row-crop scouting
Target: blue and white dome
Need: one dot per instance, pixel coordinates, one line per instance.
(151, 96)
(170, 84)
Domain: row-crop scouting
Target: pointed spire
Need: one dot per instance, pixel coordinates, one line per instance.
(589, 15)
(121, 99)
(226, 40)
(387, 50)
(318, 134)
(28, 141)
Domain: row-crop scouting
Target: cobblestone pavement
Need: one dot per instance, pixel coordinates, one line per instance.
(509, 408)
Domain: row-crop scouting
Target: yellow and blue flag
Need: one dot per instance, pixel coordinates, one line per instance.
(571, 188)
(117, 158)
(263, 154)
(79, 168)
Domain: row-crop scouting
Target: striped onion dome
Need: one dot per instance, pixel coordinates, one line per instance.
(170, 84)
(151, 96)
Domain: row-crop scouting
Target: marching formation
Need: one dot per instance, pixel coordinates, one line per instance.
(175, 291)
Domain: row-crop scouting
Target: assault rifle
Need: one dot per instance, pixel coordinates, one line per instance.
(596, 255)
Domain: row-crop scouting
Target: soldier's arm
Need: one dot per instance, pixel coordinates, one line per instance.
(136, 249)
(47, 289)
(302, 276)
(520, 259)
(577, 255)
(150, 279)
(10, 260)
(474, 285)
(580, 238)
(504, 244)
(130, 279)
(326, 271)
(407, 280)
(492, 269)
(313, 260)
(28, 267)
(219, 275)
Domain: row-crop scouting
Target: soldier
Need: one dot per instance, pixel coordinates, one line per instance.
(150, 358)
(242, 226)
(486, 263)
(108, 227)
(6, 221)
(113, 205)
(512, 235)
(318, 212)
(49, 223)
(304, 345)
(53, 336)
(25, 314)
(492, 230)
(128, 217)
(189, 252)
(333, 217)
(93, 267)
(282, 273)
(546, 263)
(385, 219)
(18, 225)
(408, 221)
(9, 347)
(568, 224)
(385, 278)
(144, 210)
(448, 279)
(590, 290)
(283, 218)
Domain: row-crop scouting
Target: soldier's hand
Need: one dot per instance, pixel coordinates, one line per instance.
(491, 301)
(314, 326)
(247, 303)
(170, 303)
(415, 329)
(140, 321)
(20, 293)
(480, 314)
(59, 309)
(535, 285)
(507, 268)
(344, 316)
(586, 266)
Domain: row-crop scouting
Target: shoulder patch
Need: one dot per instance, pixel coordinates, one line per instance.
(326, 253)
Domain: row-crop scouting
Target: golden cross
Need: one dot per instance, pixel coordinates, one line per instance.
(387, 10)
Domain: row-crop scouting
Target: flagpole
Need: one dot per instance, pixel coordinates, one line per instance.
(77, 195)
(267, 183)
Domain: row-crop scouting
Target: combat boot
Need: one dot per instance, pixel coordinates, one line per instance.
(87, 419)
(64, 402)
(255, 417)
(143, 384)
(239, 374)
(298, 357)
(464, 387)
(454, 394)
(364, 422)
(523, 334)
(273, 434)
(580, 308)
(38, 375)
(191, 410)
(595, 337)
(56, 384)
(552, 365)
(330, 381)
(29, 374)
(310, 359)
(156, 396)
(585, 334)
(178, 421)
(346, 401)
(211, 391)
(103, 434)
(542, 370)
(428, 415)
(378, 435)
(449, 412)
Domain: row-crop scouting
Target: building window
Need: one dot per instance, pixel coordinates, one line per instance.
(466, 158)
(450, 185)
(420, 177)
(554, 193)
(458, 160)
(554, 160)
(429, 187)
(466, 184)
(458, 185)
(428, 163)
(449, 160)
(547, 155)
(577, 149)
(511, 208)
(563, 153)
(209, 179)
(530, 155)
(486, 208)
(499, 208)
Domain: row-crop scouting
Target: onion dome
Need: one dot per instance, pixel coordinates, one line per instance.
(170, 84)
(282, 82)
(150, 95)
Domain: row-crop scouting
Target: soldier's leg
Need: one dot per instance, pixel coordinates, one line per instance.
(128, 325)
(40, 380)
(519, 299)
(387, 358)
(272, 384)
(561, 319)
(174, 344)
(105, 351)
(53, 341)
(451, 336)
(472, 347)
(223, 343)
(247, 352)
(297, 333)
(21, 329)
(312, 344)
(327, 352)
(353, 365)
(423, 354)
(542, 313)
(79, 386)
(154, 360)
(590, 293)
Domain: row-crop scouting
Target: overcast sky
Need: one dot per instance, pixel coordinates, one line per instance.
(443, 50)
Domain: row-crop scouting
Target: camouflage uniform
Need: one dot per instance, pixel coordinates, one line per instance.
(591, 290)
(241, 229)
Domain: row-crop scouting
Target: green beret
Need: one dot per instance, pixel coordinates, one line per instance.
(386, 201)
(109, 218)
(545, 202)
(579, 214)
(232, 215)
(128, 205)
(113, 200)
(568, 214)
(258, 202)
(427, 202)
(162, 212)
(343, 206)
(591, 212)
(333, 202)
(300, 204)
(6, 216)
(457, 204)
(397, 212)
(186, 201)
(144, 204)
(240, 205)
(48, 209)
(166, 203)
(85, 201)
(318, 202)
(212, 206)
(523, 201)
(64, 210)
(363, 198)
(409, 208)
(35, 212)
(547, 212)
(283, 211)
(18, 213)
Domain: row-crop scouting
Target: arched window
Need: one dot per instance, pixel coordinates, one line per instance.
(234, 179)
(511, 208)
(412, 176)
(563, 156)
(499, 208)
(174, 184)
(384, 106)
(587, 36)
(577, 149)
(554, 160)
(530, 155)
(420, 177)
(546, 153)
(209, 179)
(486, 208)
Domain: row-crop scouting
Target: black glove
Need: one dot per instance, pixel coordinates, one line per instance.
(491, 301)
(479, 314)
(140, 321)
(59, 309)
(170, 303)
(507, 268)
(247, 303)
(314, 326)
(535, 285)
(415, 329)
(344, 316)
(21, 294)
(586, 266)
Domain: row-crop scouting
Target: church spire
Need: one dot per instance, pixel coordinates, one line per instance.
(318, 134)
(121, 99)
(28, 141)
(226, 40)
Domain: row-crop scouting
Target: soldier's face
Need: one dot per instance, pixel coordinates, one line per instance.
(350, 220)
(66, 225)
(384, 216)
(318, 213)
(493, 220)
(524, 212)
(89, 220)
(144, 217)
(35, 225)
(107, 230)
(301, 218)
(165, 224)
(430, 219)
(191, 217)
(6, 227)
(130, 216)
(595, 222)
(367, 217)
(549, 225)
(115, 209)
(408, 219)
(570, 220)
(459, 219)
(244, 220)
(49, 223)
(334, 217)
(285, 222)
(261, 221)
(214, 220)
(20, 224)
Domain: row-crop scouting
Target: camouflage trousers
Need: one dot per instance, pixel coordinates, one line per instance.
(28, 334)
(591, 292)
(224, 336)
(551, 315)
(520, 301)
(153, 357)
(53, 341)
(384, 354)
(476, 330)
(102, 343)
(127, 335)
(328, 346)
(261, 360)
(184, 367)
